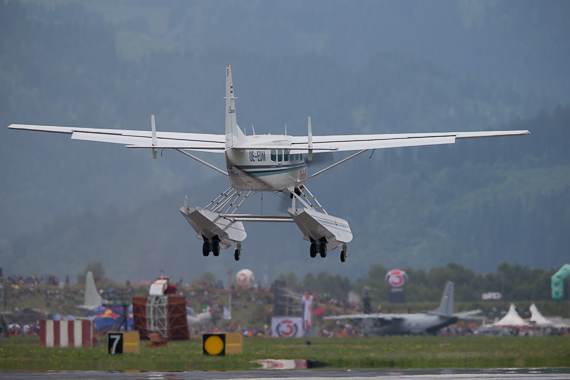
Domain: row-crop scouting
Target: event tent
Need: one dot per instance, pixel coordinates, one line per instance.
(511, 319)
(538, 318)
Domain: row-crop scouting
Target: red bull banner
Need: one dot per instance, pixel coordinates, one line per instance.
(287, 327)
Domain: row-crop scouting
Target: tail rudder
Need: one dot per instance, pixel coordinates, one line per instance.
(233, 133)
(446, 305)
(92, 297)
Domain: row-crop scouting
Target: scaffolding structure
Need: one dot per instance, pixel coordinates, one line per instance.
(156, 315)
(165, 315)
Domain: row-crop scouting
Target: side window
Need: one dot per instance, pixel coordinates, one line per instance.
(286, 155)
(273, 155)
(279, 155)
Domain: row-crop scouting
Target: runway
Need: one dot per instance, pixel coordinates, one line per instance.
(419, 374)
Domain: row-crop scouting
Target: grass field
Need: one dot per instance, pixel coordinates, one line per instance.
(25, 353)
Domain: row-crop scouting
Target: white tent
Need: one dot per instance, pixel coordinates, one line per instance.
(538, 318)
(511, 319)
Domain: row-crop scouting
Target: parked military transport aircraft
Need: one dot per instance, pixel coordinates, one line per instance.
(420, 323)
(273, 163)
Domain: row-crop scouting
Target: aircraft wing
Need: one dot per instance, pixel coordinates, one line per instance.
(379, 141)
(382, 317)
(137, 139)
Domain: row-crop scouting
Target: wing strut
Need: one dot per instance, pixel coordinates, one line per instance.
(336, 164)
(202, 162)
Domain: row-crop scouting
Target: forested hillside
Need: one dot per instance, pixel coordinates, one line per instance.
(514, 281)
(65, 203)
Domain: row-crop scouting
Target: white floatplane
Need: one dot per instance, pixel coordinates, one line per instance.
(274, 163)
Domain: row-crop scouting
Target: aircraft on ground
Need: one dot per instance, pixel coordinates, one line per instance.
(274, 163)
(418, 323)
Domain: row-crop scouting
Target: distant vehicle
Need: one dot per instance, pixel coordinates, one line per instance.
(419, 323)
(491, 296)
(274, 163)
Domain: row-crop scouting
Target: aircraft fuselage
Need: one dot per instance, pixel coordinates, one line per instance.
(413, 324)
(265, 170)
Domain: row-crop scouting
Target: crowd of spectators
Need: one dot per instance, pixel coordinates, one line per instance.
(256, 302)
(31, 280)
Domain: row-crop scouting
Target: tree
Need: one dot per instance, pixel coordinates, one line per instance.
(208, 277)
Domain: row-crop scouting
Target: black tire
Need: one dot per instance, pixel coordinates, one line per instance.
(323, 250)
(237, 254)
(342, 256)
(206, 248)
(313, 250)
(216, 248)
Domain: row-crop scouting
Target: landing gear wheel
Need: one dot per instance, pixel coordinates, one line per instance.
(313, 250)
(216, 248)
(323, 250)
(237, 254)
(206, 248)
(343, 253)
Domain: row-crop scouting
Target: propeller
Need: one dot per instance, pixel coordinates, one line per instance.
(311, 158)
(153, 135)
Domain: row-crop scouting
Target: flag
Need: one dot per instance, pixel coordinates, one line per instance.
(227, 314)
(307, 312)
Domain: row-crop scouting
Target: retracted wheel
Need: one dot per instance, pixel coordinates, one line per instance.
(206, 248)
(313, 250)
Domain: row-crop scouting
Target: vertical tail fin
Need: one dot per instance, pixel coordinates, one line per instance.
(446, 306)
(233, 133)
(92, 297)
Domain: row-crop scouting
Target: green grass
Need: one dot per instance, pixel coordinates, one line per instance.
(25, 353)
